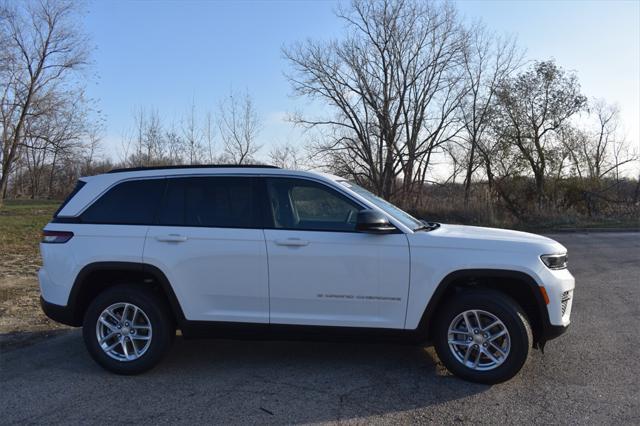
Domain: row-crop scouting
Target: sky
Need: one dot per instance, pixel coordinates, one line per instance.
(168, 55)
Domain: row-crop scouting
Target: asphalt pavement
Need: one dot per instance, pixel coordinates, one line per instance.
(589, 375)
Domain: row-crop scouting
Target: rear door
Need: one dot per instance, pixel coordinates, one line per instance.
(111, 229)
(209, 242)
(321, 270)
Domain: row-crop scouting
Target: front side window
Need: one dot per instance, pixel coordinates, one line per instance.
(306, 205)
(128, 203)
(216, 202)
(402, 216)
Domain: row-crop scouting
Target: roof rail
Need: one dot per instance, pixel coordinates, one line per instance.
(198, 166)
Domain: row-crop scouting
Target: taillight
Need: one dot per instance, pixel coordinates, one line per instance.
(56, 237)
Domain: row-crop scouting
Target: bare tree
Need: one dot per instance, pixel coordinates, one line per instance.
(598, 148)
(41, 47)
(287, 156)
(599, 152)
(149, 144)
(239, 127)
(393, 86)
(192, 136)
(176, 146)
(208, 133)
(66, 133)
(488, 60)
(92, 149)
(153, 141)
(53, 135)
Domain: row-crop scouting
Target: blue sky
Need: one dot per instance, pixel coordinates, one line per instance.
(166, 55)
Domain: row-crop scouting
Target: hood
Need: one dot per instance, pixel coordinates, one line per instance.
(479, 238)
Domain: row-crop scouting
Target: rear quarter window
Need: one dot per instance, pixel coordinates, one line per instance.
(73, 193)
(128, 203)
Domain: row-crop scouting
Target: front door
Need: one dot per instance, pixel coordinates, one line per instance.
(208, 240)
(321, 270)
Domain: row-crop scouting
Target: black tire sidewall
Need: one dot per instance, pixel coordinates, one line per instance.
(156, 311)
(508, 311)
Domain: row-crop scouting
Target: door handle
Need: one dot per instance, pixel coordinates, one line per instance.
(292, 242)
(171, 238)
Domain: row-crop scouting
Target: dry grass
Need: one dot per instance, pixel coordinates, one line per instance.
(569, 206)
(21, 319)
(21, 224)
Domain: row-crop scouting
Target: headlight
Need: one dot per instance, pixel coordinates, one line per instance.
(554, 261)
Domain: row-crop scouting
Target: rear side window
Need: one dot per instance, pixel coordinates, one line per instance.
(127, 203)
(216, 202)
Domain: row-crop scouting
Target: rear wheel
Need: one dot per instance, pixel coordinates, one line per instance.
(127, 330)
(483, 336)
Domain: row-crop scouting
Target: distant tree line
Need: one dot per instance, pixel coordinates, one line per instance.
(230, 135)
(409, 86)
(411, 82)
(50, 132)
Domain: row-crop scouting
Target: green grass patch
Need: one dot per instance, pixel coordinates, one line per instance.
(21, 224)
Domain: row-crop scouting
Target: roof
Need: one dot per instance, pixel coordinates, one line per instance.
(198, 166)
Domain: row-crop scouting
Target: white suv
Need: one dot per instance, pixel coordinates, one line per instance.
(256, 252)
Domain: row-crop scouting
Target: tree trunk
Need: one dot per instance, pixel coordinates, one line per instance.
(539, 177)
(467, 179)
(3, 187)
(53, 168)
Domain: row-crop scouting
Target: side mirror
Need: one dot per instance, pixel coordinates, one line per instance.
(373, 222)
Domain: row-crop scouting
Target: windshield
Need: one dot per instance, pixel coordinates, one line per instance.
(405, 218)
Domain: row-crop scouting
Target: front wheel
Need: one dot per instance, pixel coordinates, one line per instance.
(483, 336)
(127, 330)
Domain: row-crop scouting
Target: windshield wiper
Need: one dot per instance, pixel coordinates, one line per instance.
(427, 226)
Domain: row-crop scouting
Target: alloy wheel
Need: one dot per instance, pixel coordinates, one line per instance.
(124, 331)
(479, 340)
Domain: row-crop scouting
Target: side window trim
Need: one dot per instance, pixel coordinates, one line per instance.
(270, 223)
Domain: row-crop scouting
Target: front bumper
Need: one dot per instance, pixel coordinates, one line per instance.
(554, 331)
(559, 286)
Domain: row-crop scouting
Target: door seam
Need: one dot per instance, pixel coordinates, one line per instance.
(266, 249)
(406, 309)
(144, 244)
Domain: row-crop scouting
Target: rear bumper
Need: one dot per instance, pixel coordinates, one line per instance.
(58, 313)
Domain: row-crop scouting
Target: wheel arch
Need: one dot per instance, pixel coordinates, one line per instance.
(98, 276)
(518, 285)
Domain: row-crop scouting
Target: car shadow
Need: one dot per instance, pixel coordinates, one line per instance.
(322, 381)
(22, 339)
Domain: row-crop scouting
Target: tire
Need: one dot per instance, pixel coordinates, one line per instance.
(150, 343)
(489, 305)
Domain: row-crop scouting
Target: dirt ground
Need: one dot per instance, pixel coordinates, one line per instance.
(21, 319)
